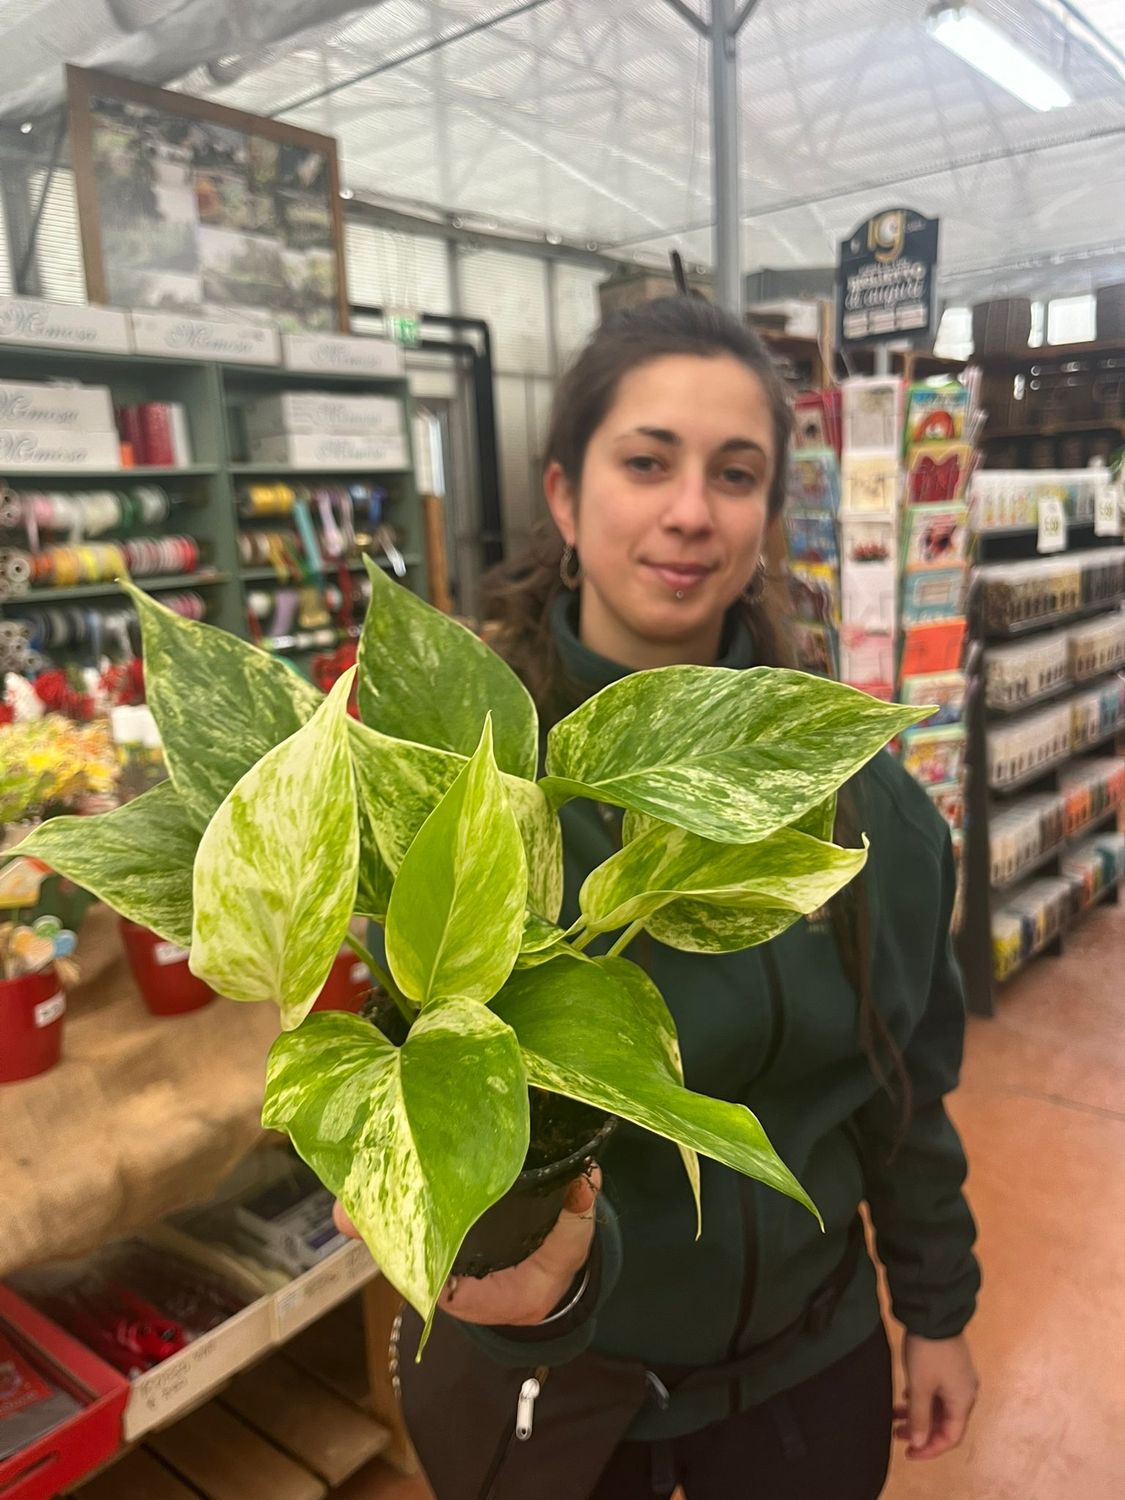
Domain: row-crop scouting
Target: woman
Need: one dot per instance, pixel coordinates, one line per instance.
(766, 1368)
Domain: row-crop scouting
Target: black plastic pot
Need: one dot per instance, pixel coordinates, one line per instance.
(517, 1224)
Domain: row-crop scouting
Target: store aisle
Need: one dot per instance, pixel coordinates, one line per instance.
(1042, 1110)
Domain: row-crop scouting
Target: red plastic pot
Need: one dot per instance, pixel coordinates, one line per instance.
(31, 1024)
(167, 985)
(347, 986)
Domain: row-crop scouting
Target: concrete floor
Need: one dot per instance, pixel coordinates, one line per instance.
(1042, 1112)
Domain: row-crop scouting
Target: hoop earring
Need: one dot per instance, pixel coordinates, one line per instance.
(756, 588)
(570, 568)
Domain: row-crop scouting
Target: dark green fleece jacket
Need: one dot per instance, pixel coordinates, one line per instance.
(777, 1028)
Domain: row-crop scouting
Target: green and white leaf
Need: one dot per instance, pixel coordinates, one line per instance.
(819, 821)
(277, 868)
(416, 1141)
(542, 941)
(704, 897)
(456, 912)
(730, 755)
(219, 702)
(400, 783)
(584, 1033)
(375, 878)
(137, 859)
(424, 677)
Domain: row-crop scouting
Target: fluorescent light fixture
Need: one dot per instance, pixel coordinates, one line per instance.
(992, 52)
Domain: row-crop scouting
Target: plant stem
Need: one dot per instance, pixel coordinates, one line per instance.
(403, 1005)
(625, 939)
(583, 940)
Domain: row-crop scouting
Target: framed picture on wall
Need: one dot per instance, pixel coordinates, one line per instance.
(188, 206)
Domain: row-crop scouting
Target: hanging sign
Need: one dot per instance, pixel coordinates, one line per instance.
(885, 278)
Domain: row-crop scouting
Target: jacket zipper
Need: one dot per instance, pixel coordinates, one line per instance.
(745, 1188)
(530, 1388)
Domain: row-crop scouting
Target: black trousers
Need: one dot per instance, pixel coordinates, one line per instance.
(828, 1439)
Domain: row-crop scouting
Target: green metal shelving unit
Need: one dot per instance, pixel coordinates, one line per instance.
(212, 395)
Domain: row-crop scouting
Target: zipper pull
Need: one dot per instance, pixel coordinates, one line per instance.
(659, 1390)
(525, 1408)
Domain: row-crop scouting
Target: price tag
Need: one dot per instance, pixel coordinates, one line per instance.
(1107, 511)
(1052, 525)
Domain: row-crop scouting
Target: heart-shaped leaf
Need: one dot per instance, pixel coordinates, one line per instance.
(424, 677)
(137, 859)
(400, 784)
(219, 703)
(704, 897)
(416, 1141)
(731, 755)
(457, 908)
(585, 1033)
(276, 872)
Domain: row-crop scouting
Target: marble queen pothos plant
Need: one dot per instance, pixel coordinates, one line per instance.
(283, 818)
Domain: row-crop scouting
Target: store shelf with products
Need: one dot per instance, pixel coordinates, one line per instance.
(200, 408)
(1056, 405)
(1046, 702)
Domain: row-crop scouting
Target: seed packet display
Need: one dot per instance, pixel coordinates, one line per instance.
(934, 536)
(935, 647)
(937, 472)
(812, 537)
(935, 757)
(935, 595)
(814, 590)
(816, 648)
(936, 414)
(950, 803)
(816, 420)
(1028, 744)
(814, 480)
(946, 690)
(1025, 670)
(869, 485)
(872, 414)
(867, 661)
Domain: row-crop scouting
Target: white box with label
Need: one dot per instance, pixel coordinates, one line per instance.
(342, 354)
(55, 448)
(172, 1387)
(323, 412)
(77, 408)
(330, 451)
(176, 336)
(310, 1295)
(63, 325)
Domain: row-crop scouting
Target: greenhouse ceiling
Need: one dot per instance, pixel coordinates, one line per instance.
(588, 120)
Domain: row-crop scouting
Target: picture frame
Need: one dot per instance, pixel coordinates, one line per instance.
(189, 206)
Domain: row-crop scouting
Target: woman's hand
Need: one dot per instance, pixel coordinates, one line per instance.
(529, 1292)
(941, 1391)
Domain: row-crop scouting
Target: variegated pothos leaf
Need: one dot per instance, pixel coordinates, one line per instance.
(584, 1034)
(416, 1141)
(730, 755)
(456, 913)
(400, 783)
(276, 872)
(219, 702)
(137, 859)
(704, 897)
(424, 677)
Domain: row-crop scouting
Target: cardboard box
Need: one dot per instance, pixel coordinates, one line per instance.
(56, 448)
(330, 452)
(310, 1295)
(175, 336)
(27, 320)
(341, 354)
(83, 1441)
(323, 412)
(75, 408)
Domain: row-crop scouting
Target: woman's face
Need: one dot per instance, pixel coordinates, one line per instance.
(672, 508)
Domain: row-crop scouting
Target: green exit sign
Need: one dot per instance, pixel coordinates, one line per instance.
(403, 329)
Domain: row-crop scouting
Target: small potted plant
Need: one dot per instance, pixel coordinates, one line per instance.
(284, 818)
